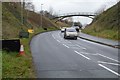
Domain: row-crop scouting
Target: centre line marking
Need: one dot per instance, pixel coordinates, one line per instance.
(65, 45)
(109, 69)
(108, 57)
(82, 55)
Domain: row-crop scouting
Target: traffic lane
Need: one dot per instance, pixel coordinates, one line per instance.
(52, 59)
(54, 62)
(102, 48)
(97, 57)
(101, 51)
(93, 51)
(92, 47)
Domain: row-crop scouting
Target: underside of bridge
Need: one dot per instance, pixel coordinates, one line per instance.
(64, 16)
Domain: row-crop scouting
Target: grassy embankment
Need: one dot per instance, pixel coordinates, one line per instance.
(0, 38)
(105, 25)
(19, 67)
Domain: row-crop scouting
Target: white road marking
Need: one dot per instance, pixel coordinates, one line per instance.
(58, 40)
(81, 47)
(108, 63)
(53, 36)
(109, 69)
(88, 53)
(108, 57)
(82, 55)
(59, 35)
(72, 45)
(65, 45)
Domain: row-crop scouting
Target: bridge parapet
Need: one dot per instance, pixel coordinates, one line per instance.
(85, 14)
(78, 13)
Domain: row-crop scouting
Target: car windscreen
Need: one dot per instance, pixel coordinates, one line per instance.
(71, 30)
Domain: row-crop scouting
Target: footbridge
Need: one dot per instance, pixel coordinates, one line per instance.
(85, 14)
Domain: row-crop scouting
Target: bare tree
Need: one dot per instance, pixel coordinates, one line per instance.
(70, 21)
(33, 8)
(51, 10)
(29, 6)
(55, 14)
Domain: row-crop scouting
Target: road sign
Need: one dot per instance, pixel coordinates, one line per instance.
(30, 30)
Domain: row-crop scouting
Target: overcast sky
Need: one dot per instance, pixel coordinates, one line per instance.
(69, 6)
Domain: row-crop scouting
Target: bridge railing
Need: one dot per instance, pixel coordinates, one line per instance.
(78, 13)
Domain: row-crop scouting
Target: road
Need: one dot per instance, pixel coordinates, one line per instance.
(56, 57)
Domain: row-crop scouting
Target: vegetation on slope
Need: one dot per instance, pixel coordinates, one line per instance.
(106, 24)
(0, 20)
(20, 67)
(12, 21)
(10, 24)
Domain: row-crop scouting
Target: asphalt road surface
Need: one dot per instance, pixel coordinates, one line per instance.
(56, 57)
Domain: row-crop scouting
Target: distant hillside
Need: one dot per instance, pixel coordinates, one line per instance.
(106, 24)
(12, 21)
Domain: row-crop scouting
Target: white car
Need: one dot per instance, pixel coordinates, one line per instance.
(71, 33)
(63, 29)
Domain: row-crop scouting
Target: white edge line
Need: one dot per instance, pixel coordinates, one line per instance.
(109, 69)
(108, 63)
(108, 57)
(82, 55)
(65, 45)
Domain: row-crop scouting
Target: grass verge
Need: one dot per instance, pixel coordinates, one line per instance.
(108, 34)
(20, 67)
(0, 65)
